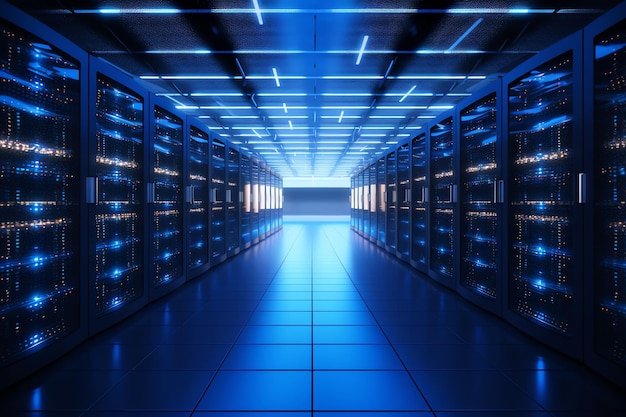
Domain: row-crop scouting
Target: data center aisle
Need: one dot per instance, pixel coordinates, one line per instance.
(313, 321)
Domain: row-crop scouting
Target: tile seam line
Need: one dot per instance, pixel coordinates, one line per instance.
(221, 364)
(376, 320)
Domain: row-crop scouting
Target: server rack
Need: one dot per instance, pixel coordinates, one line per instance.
(197, 199)
(544, 157)
(381, 203)
(42, 264)
(404, 202)
(443, 201)
(218, 194)
(166, 197)
(117, 195)
(245, 201)
(419, 196)
(481, 197)
(352, 200)
(365, 179)
(262, 200)
(254, 216)
(280, 202)
(371, 172)
(270, 199)
(233, 234)
(391, 227)
(359, 203)
(605, 135)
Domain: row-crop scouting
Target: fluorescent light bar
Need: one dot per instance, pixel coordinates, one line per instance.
(257, 10)
(285, 107)
(341, 117)
(363, 44)
(407, 93)
(290, 125)
(257, 133)
(276, 77)
(465, 34)
(239, 117)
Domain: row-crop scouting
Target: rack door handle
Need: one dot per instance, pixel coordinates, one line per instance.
(453, 193)
(151, 192)
(92, 190)
(582, 188)
(190, 196)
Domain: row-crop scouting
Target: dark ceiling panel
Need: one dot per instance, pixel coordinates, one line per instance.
(214, 60)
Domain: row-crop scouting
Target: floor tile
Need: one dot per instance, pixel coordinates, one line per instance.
(472, 391)
(442, 357)
(258, 390)
(268, 357)
(185, 357)
(156, 390)
(565, 390)
(284, 318)
(285, 305)
(341, 335)
(339, 305)
(276, 335)
(343, 318)
(60, 390)
(421, 335)
(366, 391)
(355, 357)
(203, 335)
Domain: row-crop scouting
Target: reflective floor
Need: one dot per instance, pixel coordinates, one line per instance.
(313, 321)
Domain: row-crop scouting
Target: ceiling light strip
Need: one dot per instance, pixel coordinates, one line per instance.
(276, 77)
(257, 10)
(408, 93)
(362, 50)
(465, 34)
(341, 116)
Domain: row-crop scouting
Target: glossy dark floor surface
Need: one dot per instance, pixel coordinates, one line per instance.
(313, 321)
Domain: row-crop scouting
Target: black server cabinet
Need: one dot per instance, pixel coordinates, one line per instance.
(544, 158)
(419, 197)
(166, 198)
(371, 172)
(262, 211)
(391, 197)
(481, 195)
(245, 201)
(218, 194)
(381, 201)
(359, 202)
(254, 214)
(117, 195)
(352, 200)
(605, 289)
(42, 290)
(443, 202)
(365, 197)
(404, 202)
(197, 199)
(232, 202)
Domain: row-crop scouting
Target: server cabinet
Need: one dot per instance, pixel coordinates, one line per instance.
(197, 199)
(419, 197)
(262, 211)
(605, 287)
(245, 201)
(166, 199)
(404, 202)
(544, 158)
(254, 215)
(117, 188)
(391, 227)
(481, 197)
(352, 200)
(42, 261)
(232, 203)
(365, 213)
(371, 172)
(381, 200)
(218, 194)
(359, 201)
(280, 202)
(443, 202)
